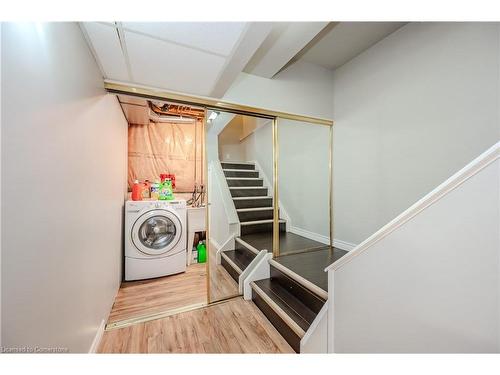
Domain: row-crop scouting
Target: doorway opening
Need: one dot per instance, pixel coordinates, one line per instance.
(164, 270)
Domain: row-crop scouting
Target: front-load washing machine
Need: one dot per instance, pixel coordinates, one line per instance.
(155, 238)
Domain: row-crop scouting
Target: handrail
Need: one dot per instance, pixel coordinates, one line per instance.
(479, 163)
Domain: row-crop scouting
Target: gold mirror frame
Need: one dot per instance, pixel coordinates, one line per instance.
(215, 104)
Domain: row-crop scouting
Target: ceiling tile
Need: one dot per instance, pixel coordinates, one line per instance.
(107, 47)
(170, 66)
(215, 37)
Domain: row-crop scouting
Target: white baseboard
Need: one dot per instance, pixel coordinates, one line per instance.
(97, 337)
(339, 244)
(311, 235)
(342, 245)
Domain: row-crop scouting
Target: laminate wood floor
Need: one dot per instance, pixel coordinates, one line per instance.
(235, 326)
(222, 285)
(139, 298)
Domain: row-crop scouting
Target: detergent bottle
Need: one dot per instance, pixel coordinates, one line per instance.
(202, 252)
(166, 191)
(137, 191)
(155, 190)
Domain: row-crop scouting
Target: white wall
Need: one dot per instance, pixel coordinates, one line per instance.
(303, 172)
(430, 284)
(303, 176)
(258, 146)
(229, 141)
(0, 186)
(409, 112)
(302, 88)
(64, 144)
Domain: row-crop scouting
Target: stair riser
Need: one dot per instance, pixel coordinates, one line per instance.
(250, 167)
(252, 203)
(258, 192)
(236, 183)
(255, 215)
(258, 228)
(288, 334)
(249, 174)
(307, 297)
(234, 274)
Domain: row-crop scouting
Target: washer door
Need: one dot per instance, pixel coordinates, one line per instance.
(156, 232)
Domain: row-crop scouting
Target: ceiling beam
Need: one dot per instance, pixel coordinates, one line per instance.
(250, 40)
(290, 40)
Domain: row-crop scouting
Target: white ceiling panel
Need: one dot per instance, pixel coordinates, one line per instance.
(106, 45)
(214, 37)
(161, 64)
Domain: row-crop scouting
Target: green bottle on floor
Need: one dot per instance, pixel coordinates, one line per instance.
(202, 252)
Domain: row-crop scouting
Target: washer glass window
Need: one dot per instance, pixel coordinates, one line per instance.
(157, 232)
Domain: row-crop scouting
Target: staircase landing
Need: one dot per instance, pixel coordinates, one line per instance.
(290, 243)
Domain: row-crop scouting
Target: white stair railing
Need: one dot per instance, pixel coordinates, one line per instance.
(224, 221)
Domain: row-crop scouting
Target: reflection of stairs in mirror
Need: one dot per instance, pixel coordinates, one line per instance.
(251, 198)
(254, 206)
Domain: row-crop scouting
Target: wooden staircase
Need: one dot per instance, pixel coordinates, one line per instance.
(290, 302)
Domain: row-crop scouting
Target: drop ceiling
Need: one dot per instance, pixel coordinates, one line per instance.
(205, 58)
(190, 57)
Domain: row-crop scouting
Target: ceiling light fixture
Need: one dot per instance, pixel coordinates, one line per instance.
(213, 116)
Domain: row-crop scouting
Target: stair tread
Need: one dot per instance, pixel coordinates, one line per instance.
(241, 243)
(238, 170)
(250, 197)
(245, 173)
(240, 166)
(244, 178)
(256, 222)
(254, 209)
(241, 257)
(291, 305)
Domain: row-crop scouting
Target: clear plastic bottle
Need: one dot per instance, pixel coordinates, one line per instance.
(155, 190)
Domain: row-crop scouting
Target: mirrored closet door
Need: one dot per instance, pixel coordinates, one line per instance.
(240, 182)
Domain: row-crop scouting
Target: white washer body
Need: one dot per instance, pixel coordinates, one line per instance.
(155, 238)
